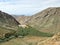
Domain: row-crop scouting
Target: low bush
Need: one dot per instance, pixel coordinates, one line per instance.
(33, 32)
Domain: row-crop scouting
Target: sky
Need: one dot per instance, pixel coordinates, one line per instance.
(26, 7)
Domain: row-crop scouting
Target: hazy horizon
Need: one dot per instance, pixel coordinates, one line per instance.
(26, 7)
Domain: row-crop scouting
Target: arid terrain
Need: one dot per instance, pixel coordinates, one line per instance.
(42, 28)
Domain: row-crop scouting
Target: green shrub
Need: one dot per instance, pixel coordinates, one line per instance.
(33, 32)
(22, 31)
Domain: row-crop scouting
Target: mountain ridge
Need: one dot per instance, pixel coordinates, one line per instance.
(7, 20)
(46, 20)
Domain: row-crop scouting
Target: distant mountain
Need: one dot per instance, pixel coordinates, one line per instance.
(22, 18)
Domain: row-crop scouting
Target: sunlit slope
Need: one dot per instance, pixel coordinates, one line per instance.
(55, 40)
(47, 20)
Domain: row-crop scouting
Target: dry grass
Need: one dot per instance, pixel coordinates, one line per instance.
(55, 40)
(28, 40)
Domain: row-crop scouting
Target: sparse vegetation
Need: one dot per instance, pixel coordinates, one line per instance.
(33, 32)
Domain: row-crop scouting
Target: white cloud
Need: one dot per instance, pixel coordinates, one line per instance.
(26, 6)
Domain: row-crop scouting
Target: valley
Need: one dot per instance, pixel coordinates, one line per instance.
(42, 28)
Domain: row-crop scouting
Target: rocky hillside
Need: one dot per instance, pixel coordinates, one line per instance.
(55, 40)
(7, 20)
(47, 20)
(8, 24)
